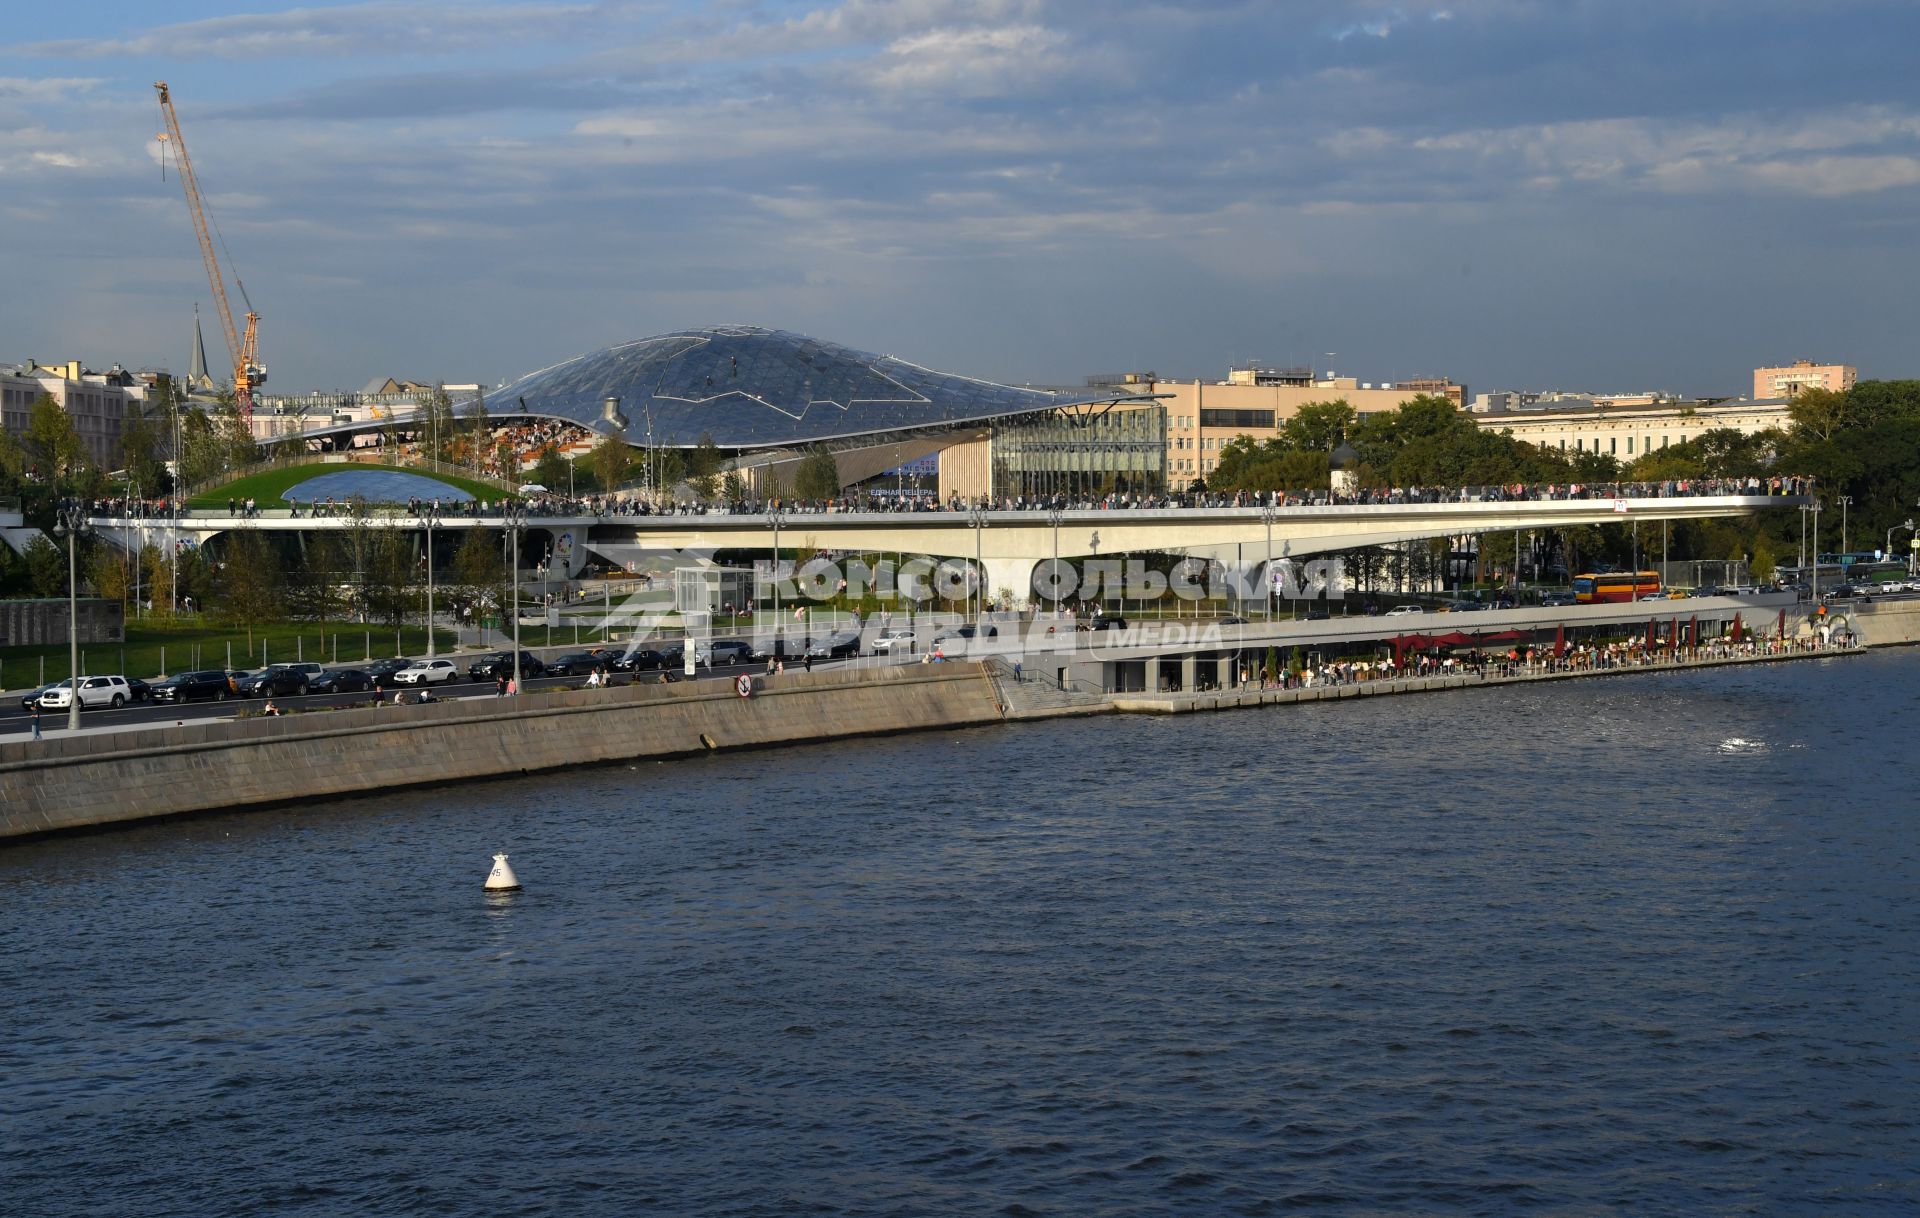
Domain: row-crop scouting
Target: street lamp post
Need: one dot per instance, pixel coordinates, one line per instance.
(774, 517)
(1267, 514)
(1054, 516)
(1908, 525)
(70, 523)
(1803, 539)
(429, 513)
(514, 513)
(1816, 551)
(978, 517)
(1845, 502)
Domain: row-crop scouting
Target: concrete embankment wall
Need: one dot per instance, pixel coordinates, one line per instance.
(1887, 623)
(69, 783)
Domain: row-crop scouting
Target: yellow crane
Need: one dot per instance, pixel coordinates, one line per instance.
(248, 371)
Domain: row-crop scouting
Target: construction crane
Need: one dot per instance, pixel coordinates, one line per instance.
(248, 371)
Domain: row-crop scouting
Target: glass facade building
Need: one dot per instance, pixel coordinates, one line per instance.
(746, 388)
(1078, 452)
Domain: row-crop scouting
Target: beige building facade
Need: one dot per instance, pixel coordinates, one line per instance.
(1203, 417)
(1626, 430)
(98, 402)
(1784, 382)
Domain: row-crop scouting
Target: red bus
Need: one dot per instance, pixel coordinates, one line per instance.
(1615, 587)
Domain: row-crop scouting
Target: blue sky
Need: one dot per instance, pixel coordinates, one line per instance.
(1600, 194)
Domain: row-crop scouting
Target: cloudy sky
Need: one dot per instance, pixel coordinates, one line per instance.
(1602, 194)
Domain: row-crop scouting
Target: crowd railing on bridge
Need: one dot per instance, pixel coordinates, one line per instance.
(620, 506)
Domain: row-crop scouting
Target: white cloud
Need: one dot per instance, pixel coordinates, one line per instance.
(380, 27)
(45, 89)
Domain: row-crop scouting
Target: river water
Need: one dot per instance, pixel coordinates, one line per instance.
(1643, 945)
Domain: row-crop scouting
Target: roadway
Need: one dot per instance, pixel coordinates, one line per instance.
(15, 721)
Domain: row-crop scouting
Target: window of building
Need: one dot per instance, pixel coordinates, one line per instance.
(1261, 419)
(1613, 446)
(1663, 441)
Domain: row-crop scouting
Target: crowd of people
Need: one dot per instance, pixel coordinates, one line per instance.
(1540, 661)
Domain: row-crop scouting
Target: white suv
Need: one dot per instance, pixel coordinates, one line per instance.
(425, 672)
(94, 691)
(1403, 611)
(892, 637)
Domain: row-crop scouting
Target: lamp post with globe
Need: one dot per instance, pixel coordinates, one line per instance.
(71, 523)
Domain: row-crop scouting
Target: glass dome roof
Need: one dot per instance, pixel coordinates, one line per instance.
(748, 387)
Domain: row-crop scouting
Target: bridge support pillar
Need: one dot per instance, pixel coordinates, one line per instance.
(1011, 579)
(567, 546)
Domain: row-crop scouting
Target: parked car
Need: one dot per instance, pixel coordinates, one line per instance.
(643, 659)
(341, 681)
(894, 638)
(730, 651)
(142, 692)
(1233, 619)
(1106, 621)
(573, 664)
(1557, 600)
(274, 681)
(836, 645)
(500, 664)
(426, 672)
(205, 685)
(33, 696)
(382, 670)
(1405, 610)
(94, 692)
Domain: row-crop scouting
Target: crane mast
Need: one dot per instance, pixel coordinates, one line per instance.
(248, 371)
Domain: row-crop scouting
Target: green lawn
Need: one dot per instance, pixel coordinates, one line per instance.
(153, 648)
(266, 488)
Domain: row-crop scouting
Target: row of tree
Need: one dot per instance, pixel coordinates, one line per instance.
(1862, 445)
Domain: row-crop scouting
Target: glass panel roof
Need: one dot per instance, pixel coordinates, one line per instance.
(374, 486)
(746, 387)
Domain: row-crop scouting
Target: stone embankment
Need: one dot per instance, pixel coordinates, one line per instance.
(75, 782)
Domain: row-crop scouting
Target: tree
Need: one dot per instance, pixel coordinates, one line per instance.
(202, 457)
(703, 467)
(141, 446)
(46, 567)
(436, 429)
(478, 430)
(733, 486)
(238, 447)
(314, 584)
(479, 572)
(611, 459)
(1819, 413)
(390, 576)
(817, 476)
(551, 469)
(1318, 426)
(250, 580)
(55, 444)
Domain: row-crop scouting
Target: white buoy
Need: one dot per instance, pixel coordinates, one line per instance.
(501, 878)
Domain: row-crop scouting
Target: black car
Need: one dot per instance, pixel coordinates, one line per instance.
(500, 664)
(381, 671)
(574, 664)
(206, 685)
(274, 681)
(643, 660)
(1106, 621)
(834, 646)
(341, 681)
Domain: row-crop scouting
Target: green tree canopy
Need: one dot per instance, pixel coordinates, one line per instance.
(817, 476)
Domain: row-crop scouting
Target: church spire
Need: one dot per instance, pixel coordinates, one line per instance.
(197, 375)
